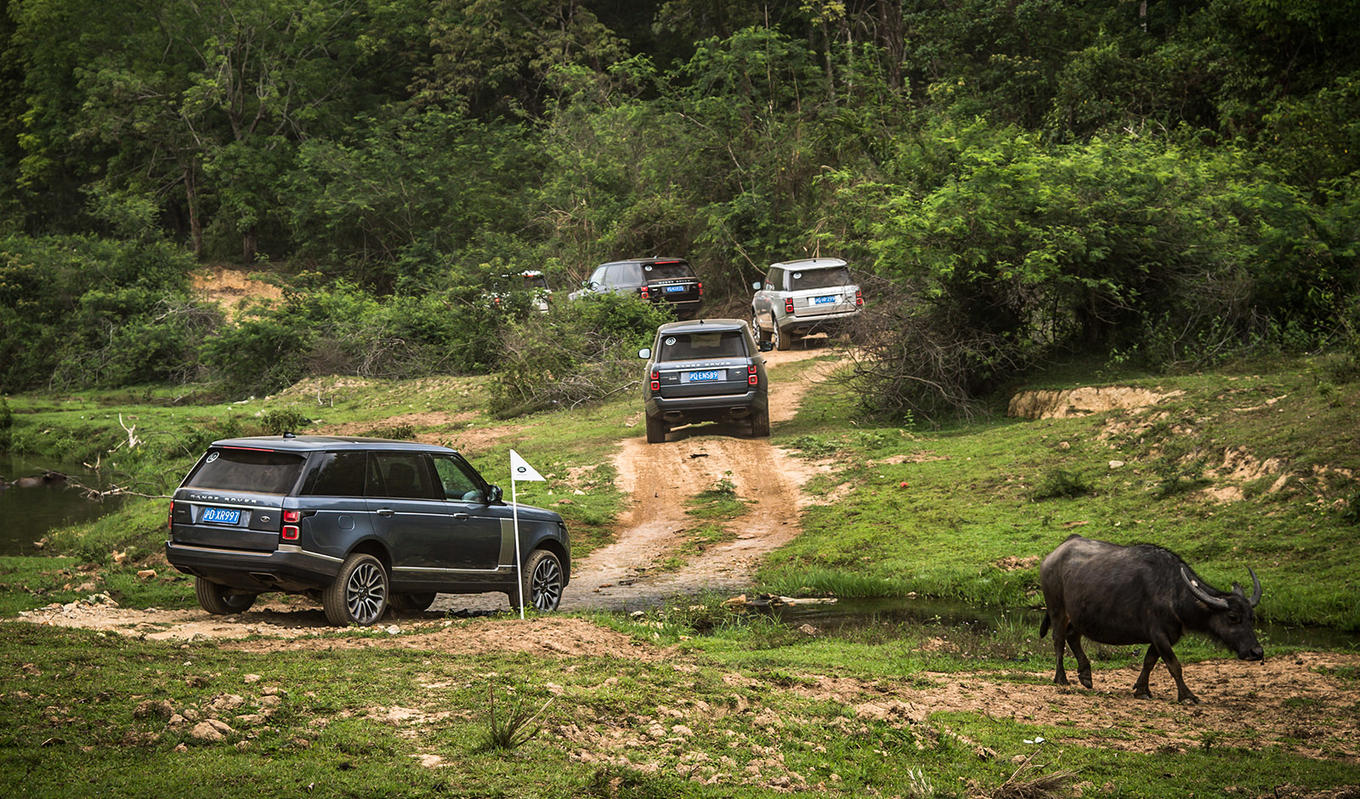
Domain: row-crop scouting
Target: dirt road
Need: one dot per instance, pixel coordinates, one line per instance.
(660, 478)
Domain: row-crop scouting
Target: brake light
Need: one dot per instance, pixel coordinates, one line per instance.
(859, 298)
(646, 295)
(656, 380)
(788, 305)
(292, 516)
(290, 532)
(701, 289)
(170, 522)
(753, 380)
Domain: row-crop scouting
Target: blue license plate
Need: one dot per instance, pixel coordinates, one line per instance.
(823, 300)
(702, 377)
(221, 516)
(675, 289)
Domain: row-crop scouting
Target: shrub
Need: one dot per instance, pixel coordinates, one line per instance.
(578, 352)
(1062, 483)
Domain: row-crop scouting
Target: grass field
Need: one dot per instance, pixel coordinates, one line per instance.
(695, 698)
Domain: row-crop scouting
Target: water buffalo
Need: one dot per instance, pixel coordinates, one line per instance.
(1140, 594)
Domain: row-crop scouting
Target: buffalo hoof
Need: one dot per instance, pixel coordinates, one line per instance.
(1085, 679)
(1060, 679)
(1188, 699)
(1142, 693)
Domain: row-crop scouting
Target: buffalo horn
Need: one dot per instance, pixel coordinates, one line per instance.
(1200, 593)
(1255, 588)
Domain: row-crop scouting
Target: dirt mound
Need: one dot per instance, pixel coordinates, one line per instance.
(553, 636)
(1048, 404)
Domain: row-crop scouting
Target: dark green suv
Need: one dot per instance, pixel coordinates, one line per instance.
(705, 370)
(358, 523)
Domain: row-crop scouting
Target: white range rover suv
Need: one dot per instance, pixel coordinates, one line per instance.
(797, 298)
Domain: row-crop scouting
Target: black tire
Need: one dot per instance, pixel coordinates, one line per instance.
(220, 600)
(656, 431)
(543, 582)
(359, 593)
(782, 340)
(412, 603)
(760, 421)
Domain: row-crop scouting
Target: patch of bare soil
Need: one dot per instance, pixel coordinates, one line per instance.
(1290, 701)
(1046, 404)
(232, 288)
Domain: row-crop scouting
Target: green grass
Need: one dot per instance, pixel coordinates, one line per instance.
(733, 707)
(962, 501)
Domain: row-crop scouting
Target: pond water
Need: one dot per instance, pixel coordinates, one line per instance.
(848, 616)
(28, 513)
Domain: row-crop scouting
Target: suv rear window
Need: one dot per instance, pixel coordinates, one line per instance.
(703, 345)
(256, 471)
(819, 279)
(668, 270)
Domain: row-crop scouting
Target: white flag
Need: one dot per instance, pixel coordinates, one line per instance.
(521, 470)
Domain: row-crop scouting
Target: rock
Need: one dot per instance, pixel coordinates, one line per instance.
(206, 731)
(1116, 464)
(808, 629)
(146, 574)
(249, 678)
(226, 702)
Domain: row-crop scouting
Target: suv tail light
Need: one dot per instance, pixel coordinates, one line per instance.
(170, 522)
(752, 378)
(290, 529)
(701, 288)
(656, 380)
(645, 294)
(788, 305)
(859, 298)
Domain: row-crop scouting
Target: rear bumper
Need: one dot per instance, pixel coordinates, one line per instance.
(706, 408)
(801, 325)
(288, 568)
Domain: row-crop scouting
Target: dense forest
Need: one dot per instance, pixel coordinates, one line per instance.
(1160, 182)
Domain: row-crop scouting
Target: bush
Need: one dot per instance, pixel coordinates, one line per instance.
(81, 311)
(578, 352)
(344, 330)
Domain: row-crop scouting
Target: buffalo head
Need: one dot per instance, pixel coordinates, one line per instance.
(1231, 617)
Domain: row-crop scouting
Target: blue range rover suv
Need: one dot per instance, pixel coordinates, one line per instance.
(361, 524)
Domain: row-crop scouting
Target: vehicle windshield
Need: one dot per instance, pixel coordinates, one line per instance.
(667, 270)
(819, 278)
(247, 470)
(701, 345)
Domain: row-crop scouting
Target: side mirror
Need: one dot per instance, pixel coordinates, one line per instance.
(645, 353)
(756, 285)
(494, 494)
(765, 346)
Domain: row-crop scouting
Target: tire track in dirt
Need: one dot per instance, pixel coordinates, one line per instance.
(661, 478)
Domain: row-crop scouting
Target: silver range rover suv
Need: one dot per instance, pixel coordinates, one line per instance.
(797, 298)
(361, 524)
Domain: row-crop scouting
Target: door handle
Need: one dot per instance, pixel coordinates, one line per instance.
(385, 511)
(461, 516)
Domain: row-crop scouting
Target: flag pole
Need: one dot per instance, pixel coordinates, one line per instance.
(519, 565)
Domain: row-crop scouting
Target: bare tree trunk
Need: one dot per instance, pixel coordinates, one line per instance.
(249, 244)
(892, 39)
(191, 197)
